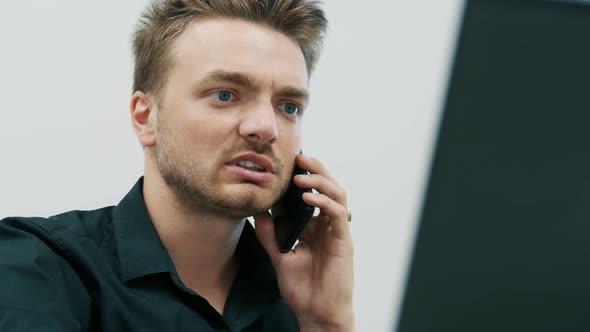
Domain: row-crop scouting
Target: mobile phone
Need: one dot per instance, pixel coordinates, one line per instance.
(290, 214)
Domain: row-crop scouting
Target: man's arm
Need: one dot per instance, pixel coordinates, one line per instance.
(39, 291)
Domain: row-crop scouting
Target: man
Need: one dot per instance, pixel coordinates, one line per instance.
(220, 89)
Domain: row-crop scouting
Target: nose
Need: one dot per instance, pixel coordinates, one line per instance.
(259, 124)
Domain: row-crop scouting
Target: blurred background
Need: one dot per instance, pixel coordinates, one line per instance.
(67, 142)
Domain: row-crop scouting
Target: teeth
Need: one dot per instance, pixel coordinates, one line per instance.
(250, 165)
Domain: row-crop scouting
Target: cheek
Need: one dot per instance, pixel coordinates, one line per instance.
(207, 135)
(197, 121)
(290, 136)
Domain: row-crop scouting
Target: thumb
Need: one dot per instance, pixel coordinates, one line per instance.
(265, 232)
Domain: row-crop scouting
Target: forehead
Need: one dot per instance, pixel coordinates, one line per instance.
(235, 45)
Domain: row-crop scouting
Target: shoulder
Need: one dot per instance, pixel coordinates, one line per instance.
(43, 285)
(59, 247)
(62, 234)
(28, 241)
(73, 223)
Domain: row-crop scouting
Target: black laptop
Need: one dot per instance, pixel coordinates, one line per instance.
(504, 237)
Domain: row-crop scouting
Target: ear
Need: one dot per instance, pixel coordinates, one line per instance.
(143, 118)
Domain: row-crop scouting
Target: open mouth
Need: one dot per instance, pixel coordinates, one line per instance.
(250, 166)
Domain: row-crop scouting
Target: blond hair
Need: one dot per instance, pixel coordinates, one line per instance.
(165, 20)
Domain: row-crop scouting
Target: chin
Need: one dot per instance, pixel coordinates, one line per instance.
(254, 195)
(248, 198)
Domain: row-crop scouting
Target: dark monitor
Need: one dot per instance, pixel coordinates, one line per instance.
(504, 237)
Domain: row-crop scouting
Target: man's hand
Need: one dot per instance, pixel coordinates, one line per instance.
(315, 278)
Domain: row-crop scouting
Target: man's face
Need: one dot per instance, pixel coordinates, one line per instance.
(234, 89)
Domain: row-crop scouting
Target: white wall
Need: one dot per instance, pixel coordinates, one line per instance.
(66, 141)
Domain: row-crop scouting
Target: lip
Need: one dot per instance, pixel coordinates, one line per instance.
(245, 174)
(255, 158)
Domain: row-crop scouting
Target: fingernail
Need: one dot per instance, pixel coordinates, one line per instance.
(301, 176)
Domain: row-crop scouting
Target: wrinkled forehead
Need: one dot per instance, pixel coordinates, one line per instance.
(268, 56)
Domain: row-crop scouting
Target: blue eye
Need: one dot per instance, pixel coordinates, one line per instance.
(223, 95)
(290, 108)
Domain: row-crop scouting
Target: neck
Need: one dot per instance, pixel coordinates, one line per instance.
(201, 246)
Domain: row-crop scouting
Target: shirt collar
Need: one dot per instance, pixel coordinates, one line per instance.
(141, 251)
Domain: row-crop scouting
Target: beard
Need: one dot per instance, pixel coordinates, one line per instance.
(198, 188)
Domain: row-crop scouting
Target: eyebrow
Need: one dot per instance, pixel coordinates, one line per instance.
(248, 81)
(295, 93)
(237, 78)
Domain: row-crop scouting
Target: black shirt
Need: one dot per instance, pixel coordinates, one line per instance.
(107, 270)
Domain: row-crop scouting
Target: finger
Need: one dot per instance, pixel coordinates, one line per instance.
(311, 229)
(301, 247)
(335, 211)
(265, 232)
(308, 231)
(323, 185)
(313, 166)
